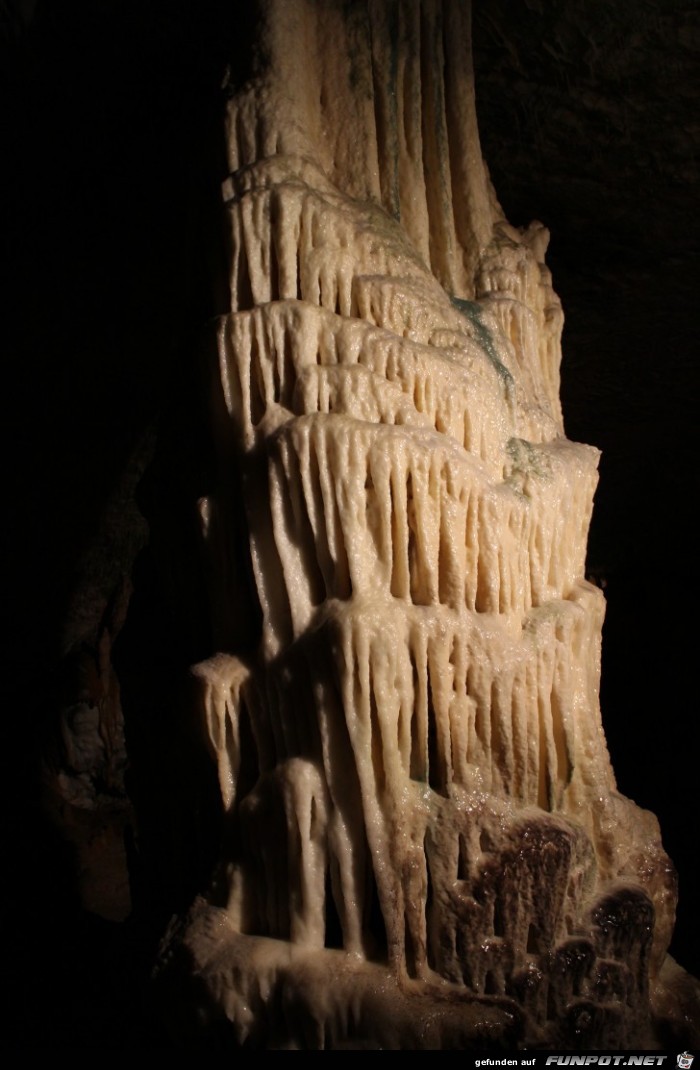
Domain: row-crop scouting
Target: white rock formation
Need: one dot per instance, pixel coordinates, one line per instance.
(424, 843)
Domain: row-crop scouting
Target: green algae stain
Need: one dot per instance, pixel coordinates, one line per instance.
(527, 458)
(483, 337)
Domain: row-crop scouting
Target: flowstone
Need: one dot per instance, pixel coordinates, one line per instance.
(424, 846)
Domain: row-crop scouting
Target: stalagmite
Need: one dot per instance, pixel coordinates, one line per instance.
(424, 846)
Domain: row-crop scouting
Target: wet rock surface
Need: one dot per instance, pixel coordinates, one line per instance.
(607, 98)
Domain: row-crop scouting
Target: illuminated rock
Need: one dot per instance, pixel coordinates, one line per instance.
(424, 846)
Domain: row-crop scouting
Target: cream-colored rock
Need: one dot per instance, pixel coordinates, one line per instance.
(421, 813)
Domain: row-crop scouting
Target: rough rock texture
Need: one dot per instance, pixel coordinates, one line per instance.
(111, 125)
(604, 98)
(419, 804)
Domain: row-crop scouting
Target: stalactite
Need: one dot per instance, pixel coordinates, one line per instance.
(429, 823)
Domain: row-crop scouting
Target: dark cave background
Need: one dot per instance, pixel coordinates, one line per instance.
(111, 122)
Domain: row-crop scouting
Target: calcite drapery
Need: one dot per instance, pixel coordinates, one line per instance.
(424, 844)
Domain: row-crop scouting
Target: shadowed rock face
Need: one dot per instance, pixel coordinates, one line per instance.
(418, 797)
(620, 80)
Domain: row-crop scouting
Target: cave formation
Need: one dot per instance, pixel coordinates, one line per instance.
(389, 370)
